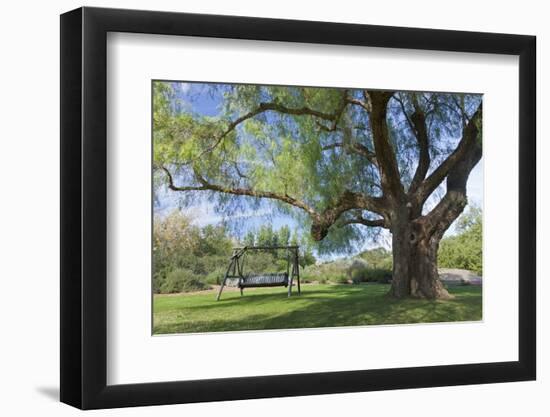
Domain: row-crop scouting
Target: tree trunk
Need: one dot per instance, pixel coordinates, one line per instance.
(415, 263)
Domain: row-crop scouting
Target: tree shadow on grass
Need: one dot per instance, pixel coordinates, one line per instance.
(335, 306)
(253, 298)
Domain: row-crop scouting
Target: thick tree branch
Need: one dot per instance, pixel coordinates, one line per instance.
(418, 119)
(205, 185)
(385, 155)
(321, 221)
(364, 222)
(348, 200)
(468, 141)
(454, 201)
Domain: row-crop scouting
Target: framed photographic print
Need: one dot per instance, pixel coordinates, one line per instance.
(257, 208)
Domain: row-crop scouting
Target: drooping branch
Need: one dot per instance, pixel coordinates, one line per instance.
(354, 147)
(208, 186)
(273, 106)
(321, 221)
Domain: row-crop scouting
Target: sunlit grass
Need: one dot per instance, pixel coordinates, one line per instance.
(318, 306)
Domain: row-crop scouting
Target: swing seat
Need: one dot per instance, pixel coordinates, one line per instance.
(264, 280)
(234, 276)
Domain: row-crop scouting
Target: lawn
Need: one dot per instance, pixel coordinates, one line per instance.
(318, 306)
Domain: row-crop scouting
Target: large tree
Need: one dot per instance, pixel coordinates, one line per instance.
(343, 160)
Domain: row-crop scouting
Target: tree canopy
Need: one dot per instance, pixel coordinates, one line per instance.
(306, 149)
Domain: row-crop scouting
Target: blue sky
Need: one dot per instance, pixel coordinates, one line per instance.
(203, 211)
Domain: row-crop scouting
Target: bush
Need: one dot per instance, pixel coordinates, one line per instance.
(378, 258)
(340, 279)
(181, 280)
(382, 276)
(216, 276)
(158, 280)
(335, 271)
(357, 276)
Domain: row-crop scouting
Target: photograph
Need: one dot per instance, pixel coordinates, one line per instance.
(292, 207)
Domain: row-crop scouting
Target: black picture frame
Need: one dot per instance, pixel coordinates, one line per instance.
(84, 207)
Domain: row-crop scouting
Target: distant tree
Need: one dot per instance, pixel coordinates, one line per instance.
(213, 240)
(182, 250)
(307, 258)
(379, 258)
(294, 240)
(284, 235)
(274, 238)
(465, 249)
(249, 239)
(265, 235)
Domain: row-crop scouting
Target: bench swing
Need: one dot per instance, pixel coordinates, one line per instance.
(235, 272)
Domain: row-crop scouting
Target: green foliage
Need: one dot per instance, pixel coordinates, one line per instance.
(379, 275)
(464, 250)
(378, 258)
(284, 235)
(187, 257)
(262, 262)
(336, 272)
(215, 277)
(266, 236)
(357, 276)
(307, 258)
(249, 239)
(178, 245)
(374, 266)
(181, 280)
(340, 279)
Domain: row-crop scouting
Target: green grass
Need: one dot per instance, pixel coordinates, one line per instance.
(318, 306)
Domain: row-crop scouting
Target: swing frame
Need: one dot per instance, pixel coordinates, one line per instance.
(236, 267)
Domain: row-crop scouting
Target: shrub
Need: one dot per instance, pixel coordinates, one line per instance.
(215, 277)
(340, 279)
(181, 280)
(281, 265)
(378, 258)
(356, 271)
(382, 276)
(158, 280)
(357, 276)
(335, 271)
